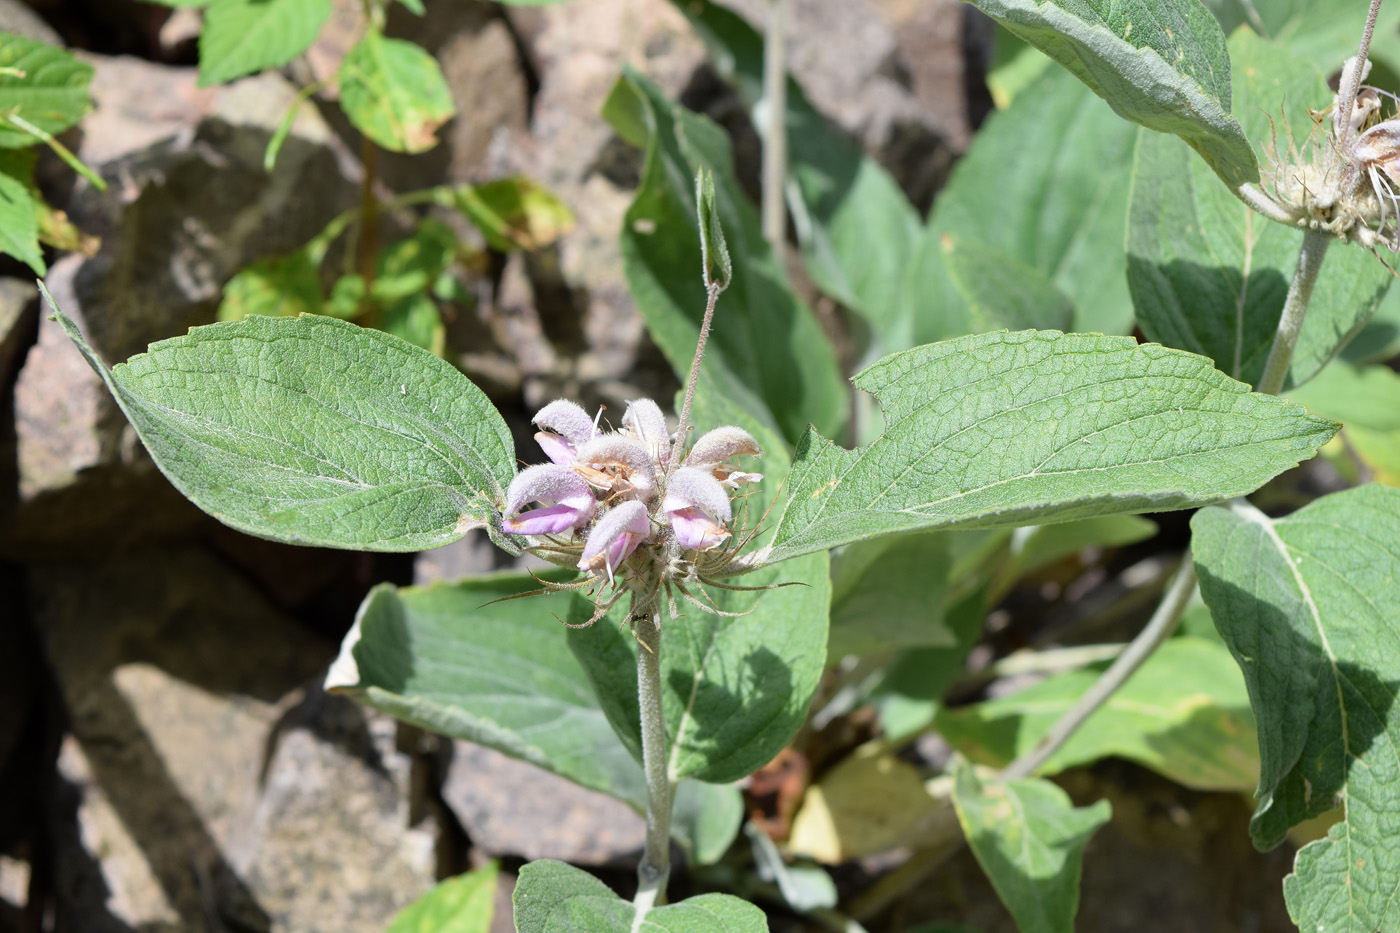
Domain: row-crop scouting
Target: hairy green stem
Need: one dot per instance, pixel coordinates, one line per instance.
(1295, 307)
(712, 296)
(655, 867)
(775, 131)
(1351, 79)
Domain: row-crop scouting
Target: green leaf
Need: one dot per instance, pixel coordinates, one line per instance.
(1160, 63)
(417, 320)
(177, 4)
(1307, 605)
(394, 93)
(41, 83)
(514, 213)
(736, 688)
(766, 348)
(1035, 546)
(414, 6)
(281, 287)
(1184, 714)
(1045, 182)
(888, 594)
(1029, 839)
(464, 904)
(1191, 243)
(1001, 291)
(1323, 34)
(242, 37)
(449, 658)
(19, 223)
(412, 265)
(314, 431)
(842, 195)
(1037, 427)
(715, 264)
(552, 897)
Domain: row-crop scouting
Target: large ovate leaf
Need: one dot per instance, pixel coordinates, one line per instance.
(394, 93)
(1184, 714)
(552, 897)
(841, 194)
(1046, 183)
(1001, 291)
(1029, 839)
(19, 222)
(449, 658)
(1308, 606)
(766, 347)
(314, 431)
(1160, 63)
(1034, 427)
(464, 904)
(42, 84)
(1210, 275)
(241, 37)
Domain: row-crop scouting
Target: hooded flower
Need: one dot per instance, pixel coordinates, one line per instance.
(566, 428)
(568, 502)
(715, 448)
(647, 425)
(697, 508)
(615, 537)
(618, 466)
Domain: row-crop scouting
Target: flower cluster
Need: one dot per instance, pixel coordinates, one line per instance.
(1348, 182)
(617, 491)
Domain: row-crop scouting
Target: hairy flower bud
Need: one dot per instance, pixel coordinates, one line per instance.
(617, 465)
(645, 422)
(615, 537)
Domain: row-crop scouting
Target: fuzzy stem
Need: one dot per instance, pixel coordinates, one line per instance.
(655, 866)
(1159, 628)
(1351, 79)
(712, 294)
(775, 133)
(1264, 204)
(1295, 306)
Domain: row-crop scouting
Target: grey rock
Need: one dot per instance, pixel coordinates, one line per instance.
(510, 807)
(18, 18)
(205, 787)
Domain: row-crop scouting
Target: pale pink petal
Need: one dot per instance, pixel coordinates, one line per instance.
(735, 479)
(715, 447)
(695, 529)
(556, 448)
(568, 499)
(694, 488)
(564, 418)
(615, 537)
(612, 455)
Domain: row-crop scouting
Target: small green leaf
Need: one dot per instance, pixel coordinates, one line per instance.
(471, 662)
(417, 320)
(1038, 545)
(242, 37)
(1209, 275)
(464, 904)
(1036, 427)
(1045, 182)
(1184, 714)
(1307, 605)
(1001, 291)
(282, 287)
(1160, 63)
(394, 93)
(414, 6)
(514, 213)
(1029, 839)
(19, 224)
(552, 897)
(766, 348)
(314, 431)
(42, 84)
(714, 252)
(410, 266)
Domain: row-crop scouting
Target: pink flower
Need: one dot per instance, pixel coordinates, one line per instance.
(714, 448)
(618, 466)
(615, 537)
(647, 425)
(566, 428)
(568, 501)
(697, 508)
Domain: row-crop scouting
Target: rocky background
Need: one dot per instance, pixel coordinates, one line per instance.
(167, 759)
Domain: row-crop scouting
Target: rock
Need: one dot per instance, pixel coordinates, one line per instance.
(19, 307)
(512, 808)
(208, 787)
(19, 19)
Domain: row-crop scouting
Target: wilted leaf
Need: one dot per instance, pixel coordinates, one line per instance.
(514, 213)
(394, 93)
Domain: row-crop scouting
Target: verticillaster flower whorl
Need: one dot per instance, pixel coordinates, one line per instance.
(609, 495)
